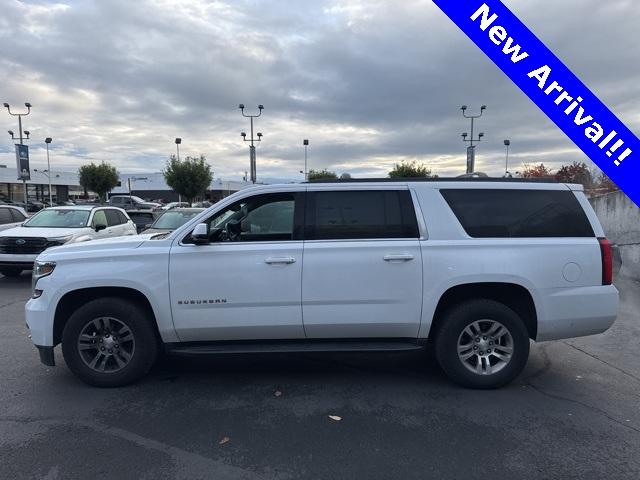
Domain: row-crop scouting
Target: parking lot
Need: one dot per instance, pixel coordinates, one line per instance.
(572, 414)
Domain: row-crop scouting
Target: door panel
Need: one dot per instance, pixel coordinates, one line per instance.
(241, 291)
(349, 290)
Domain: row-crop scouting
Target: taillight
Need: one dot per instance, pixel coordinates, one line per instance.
(607, 261)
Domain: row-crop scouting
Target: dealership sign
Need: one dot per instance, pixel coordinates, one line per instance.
(22, 162)
(552, 87)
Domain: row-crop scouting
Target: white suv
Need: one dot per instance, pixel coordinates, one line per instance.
(56, 226)
(475, 267)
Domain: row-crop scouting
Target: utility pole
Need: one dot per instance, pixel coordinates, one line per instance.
(506, 163)
(471, 149)
(22, 151)
(47, 141)
(252, 148)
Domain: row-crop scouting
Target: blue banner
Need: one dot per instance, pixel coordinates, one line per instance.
(22, 162)
(552, 87)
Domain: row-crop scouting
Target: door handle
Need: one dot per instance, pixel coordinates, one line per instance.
(405, 257)
(279, 260)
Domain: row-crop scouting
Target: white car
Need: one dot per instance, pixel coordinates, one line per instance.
(57, 226)
(11, 217)
(476, 268)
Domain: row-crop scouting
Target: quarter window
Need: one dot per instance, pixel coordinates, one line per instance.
(359, 214)
(504, 213)
(5, 216)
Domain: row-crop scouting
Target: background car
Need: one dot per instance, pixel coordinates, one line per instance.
(172, 205)
(132, 202)
(57, 226)
(143, 218)
(173, 219)
(11, 217)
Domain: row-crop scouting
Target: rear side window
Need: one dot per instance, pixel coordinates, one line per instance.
(5, 216)
(123, 218)
(357, 214)
(17, 215)
(518, 213)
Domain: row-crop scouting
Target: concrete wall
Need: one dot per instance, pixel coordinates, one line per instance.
(620, 218)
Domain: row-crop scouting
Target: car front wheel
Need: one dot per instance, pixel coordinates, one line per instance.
(109, 342)
(482, 344)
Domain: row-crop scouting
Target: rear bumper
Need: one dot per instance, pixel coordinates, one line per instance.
(576, 312)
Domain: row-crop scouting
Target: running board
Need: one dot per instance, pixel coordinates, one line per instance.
(289, 347)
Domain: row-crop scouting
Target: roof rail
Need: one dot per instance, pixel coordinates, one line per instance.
(435, 179)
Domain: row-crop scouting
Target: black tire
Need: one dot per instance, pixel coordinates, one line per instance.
(143, 346)
(11, 271)
(450, 332)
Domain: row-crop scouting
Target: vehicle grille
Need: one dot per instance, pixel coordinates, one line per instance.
(24, 245)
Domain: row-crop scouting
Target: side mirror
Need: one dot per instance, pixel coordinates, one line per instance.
(100, 226)
(200, 234)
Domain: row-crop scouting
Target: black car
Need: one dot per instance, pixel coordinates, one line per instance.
(143, 218)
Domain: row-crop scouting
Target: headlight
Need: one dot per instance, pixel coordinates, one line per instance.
(59, 240)
(40, 269)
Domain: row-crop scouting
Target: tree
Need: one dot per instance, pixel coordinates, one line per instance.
(410, 170)
(189, 177)
(538, 171)
(98, 178)
(606, 185)
(575, 173)
(323, 174)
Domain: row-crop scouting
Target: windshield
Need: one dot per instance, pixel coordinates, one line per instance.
(53, 218)
(173, 219)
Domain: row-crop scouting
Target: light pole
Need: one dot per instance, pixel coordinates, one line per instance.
(252, 148)
(506, 163)
(306, 171)
(24, 173)
(471, 150)
(47, 141)
(178, 142)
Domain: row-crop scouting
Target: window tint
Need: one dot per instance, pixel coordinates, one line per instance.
(141, 218)
(116, 200)
(123, 218)
(360, 214)
(99, 218)
(113, 218)
(518, 213)
(17, 215)
(268, 217)
(5, 216)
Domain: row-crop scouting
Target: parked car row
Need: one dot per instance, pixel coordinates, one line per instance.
(22, 239)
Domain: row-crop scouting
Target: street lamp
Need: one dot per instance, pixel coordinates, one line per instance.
(252, 148)
(178, 142)
(507, 143)
(47, 141)
(471, 150)
(306, 172)
(24, 172)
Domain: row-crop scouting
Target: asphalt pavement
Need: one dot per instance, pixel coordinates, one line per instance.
(574, 413)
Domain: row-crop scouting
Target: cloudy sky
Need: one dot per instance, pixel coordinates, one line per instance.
(369, 83)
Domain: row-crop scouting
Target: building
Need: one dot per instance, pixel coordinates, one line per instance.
(64, 185)
(151, 186)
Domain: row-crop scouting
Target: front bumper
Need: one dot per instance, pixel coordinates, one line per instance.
(13, 260)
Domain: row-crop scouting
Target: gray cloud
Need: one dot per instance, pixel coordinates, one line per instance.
(369, 83)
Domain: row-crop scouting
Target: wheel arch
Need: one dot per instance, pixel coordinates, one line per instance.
(513, 295)
(74, 299)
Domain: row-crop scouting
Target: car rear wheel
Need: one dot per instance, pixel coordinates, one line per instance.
(482, 344)
(11, 271)
(109, 342)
